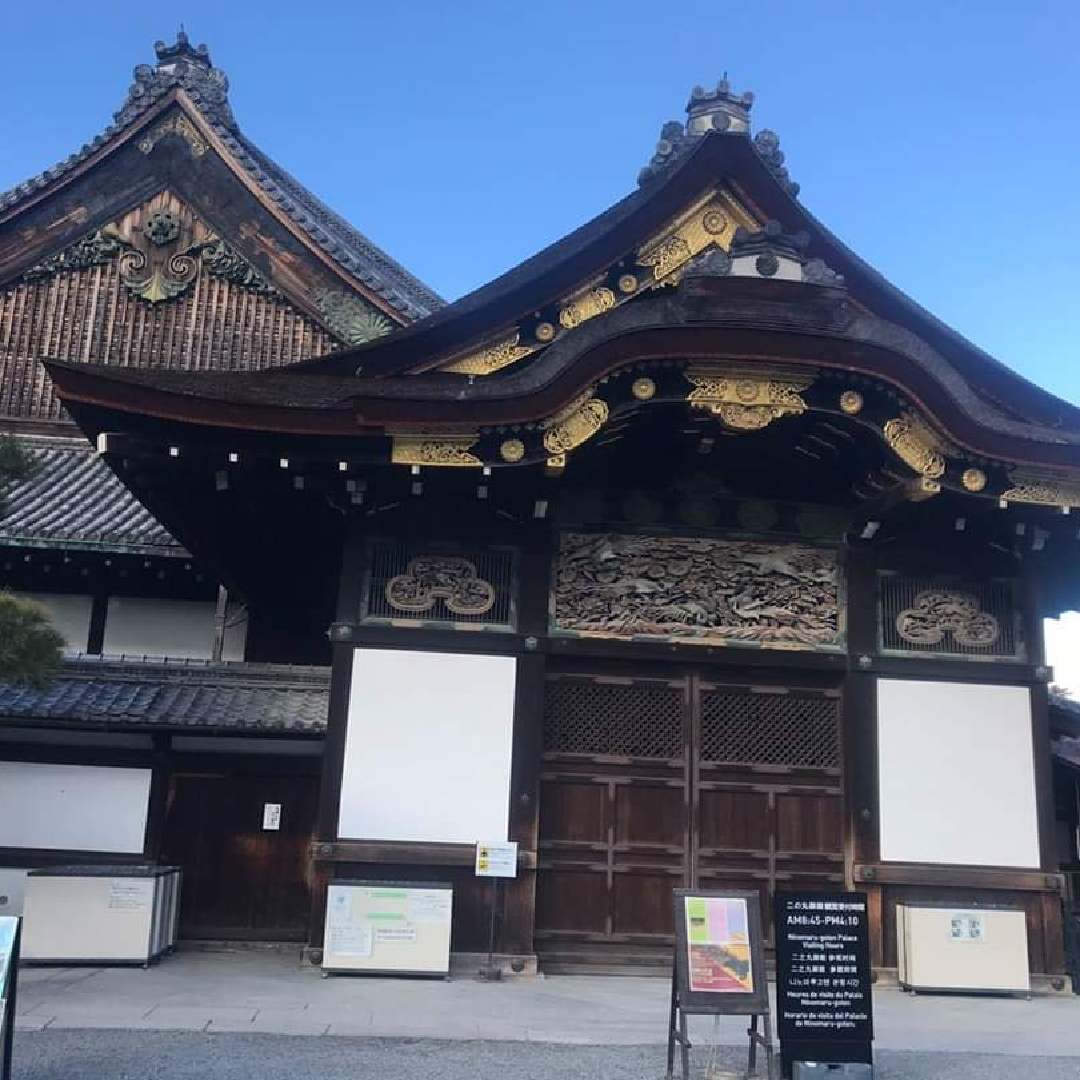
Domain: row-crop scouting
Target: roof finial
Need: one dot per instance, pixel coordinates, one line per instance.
(715, 110)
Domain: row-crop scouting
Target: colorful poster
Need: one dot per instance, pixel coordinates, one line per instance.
(718, 942)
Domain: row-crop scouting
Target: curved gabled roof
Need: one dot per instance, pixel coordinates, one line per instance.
(185, 69)
(716, 157)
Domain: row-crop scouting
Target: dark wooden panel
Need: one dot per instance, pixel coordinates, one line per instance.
(573, 901)
(809, 823)
(733, 819)
(641, 904)
(572, 810)
(647, 813)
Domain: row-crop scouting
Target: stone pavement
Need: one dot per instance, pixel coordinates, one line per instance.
(268, 992)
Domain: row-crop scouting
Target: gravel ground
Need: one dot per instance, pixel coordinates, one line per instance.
(162, 1055)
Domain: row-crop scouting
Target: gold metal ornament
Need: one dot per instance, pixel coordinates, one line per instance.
(916, 445)
(627, 283)
(851, 402)
(491, 358)
(711, 223)
(544, 331)
(586, 306)
(748, 399)
(175, 125)
(1043, 491)
(579, 422)
(643, 389)
(436, 450)
(513, 450)
(973, 479)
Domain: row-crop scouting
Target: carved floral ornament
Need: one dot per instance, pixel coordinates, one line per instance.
(748, 399)
(451, 579)
(936, 613)
(153, 260)
(698, 589)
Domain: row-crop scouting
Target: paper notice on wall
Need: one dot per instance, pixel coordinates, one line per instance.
(430, 907)
(340, 908)
(395, 935)
(350, 940)
(126, 894)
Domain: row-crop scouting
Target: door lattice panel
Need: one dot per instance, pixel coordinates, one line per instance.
(789, 730)
(586, 717)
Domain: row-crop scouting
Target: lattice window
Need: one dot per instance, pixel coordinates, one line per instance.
(639, 720)
(745, 728)
(948, 618)
(440, 585)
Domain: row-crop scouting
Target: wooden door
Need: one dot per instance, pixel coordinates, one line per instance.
(241, 881)
(767, 801)
(614, 805)
(649, 785)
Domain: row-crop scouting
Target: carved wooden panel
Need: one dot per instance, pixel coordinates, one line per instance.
(444, 585)
(946, 618)
(698, 589)
(185, 303)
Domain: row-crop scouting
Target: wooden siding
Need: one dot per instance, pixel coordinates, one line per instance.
(89, 316)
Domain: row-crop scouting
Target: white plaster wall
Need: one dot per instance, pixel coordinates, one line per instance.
(69, 613)
(427, 751)
(956, 774)
(73, 807)
(184, 629)
(12, 889)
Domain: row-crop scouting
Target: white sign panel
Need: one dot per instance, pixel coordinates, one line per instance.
(272, 816)
(427, 751)
(956, 774)
(388, 926)
(497, 860)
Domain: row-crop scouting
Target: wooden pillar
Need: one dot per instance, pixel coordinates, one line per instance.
(337, 721)
(520, 922)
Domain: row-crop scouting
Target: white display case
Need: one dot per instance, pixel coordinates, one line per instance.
(978, 949)
(100, 914)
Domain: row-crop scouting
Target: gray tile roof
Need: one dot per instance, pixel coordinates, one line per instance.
(74, 500)
(182, 66)
(153, 694)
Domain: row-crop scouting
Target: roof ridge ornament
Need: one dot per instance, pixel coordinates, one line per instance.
(184, 66)
(718, 109)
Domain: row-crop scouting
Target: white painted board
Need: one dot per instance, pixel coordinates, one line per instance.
(956, 774)
(427, 751)
(73, 807)
(184, 629)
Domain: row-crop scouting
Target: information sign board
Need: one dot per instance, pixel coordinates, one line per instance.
(824, 999)
(497, 859)
(10, 931)
(388, 926)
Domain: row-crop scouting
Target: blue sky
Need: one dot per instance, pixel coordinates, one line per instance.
(940, 140)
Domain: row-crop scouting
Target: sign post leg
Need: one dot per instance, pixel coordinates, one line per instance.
(491, 973)
(671, 1032)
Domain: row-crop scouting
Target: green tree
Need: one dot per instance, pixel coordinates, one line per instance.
(30, 646)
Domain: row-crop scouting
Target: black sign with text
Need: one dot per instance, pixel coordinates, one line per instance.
(823, 993)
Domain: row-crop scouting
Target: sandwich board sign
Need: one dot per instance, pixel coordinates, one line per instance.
(719, 969)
